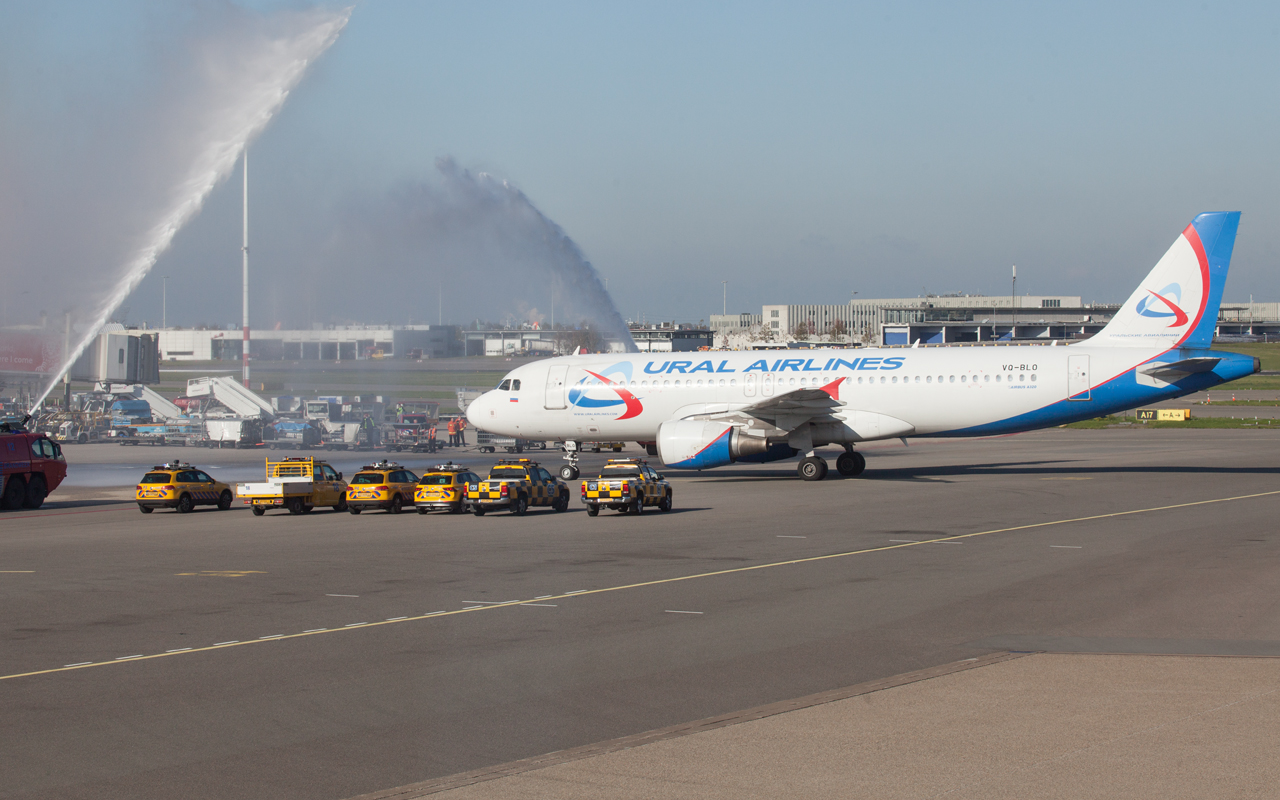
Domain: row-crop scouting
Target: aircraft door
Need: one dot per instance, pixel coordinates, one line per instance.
(1078, 378)
(749, 384)
(555, 386)
(766, 384)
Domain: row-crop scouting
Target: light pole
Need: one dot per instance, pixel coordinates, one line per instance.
(1013, 305)
(724, 298)
(164, 301)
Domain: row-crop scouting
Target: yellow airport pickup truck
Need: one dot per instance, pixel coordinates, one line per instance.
(626, 484)
(516, 484)
(297, 485)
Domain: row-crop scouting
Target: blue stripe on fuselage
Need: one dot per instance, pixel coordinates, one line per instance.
(1119, 394)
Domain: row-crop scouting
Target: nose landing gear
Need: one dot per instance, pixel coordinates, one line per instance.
(569, 472)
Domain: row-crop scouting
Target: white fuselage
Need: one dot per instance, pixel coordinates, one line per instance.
(931, 391)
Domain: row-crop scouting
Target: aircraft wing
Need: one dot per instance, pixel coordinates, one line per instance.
(1175, 370)
(817, 404)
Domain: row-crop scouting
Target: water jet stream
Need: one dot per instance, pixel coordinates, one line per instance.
(258, 84)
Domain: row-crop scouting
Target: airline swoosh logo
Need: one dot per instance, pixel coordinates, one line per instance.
(1145, 305)
(634, 407)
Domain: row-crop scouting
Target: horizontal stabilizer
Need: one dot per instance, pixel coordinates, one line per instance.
(1174, 370)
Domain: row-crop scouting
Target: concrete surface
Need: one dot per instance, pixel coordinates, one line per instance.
(1068, 726)
(199, 667)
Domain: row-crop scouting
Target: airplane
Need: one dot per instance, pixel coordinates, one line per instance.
(702, 410)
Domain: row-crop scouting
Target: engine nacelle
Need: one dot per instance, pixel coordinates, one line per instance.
(699, 444)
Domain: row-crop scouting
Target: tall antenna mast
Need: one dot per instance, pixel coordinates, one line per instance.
(244, 249)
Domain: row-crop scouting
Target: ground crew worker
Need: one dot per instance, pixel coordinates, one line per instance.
(366, 425)
(431, 439)
(453, 432)
(462, 431)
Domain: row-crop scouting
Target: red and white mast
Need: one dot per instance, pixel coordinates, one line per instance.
(244, 249)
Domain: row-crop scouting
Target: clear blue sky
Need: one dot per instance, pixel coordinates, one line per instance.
(799, 151)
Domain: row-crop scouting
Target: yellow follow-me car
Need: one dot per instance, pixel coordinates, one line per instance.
(182, 487)
(384, 485)
(626, 484)
(444, 488)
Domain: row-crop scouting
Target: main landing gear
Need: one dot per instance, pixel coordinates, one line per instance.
(850, 464)
(569, 472)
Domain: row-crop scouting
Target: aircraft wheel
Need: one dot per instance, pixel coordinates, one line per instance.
(851, 464)
(569, 472)
(812, 468)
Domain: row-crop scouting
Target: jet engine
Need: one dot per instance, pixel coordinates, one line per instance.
(699, 444)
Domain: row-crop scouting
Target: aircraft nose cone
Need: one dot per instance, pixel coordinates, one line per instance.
(478, 410)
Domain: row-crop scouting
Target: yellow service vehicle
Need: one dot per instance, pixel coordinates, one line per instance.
(515, 485)
(444, 488)
(296, 484)
(383, 485)
(626, 484)
(182, 487)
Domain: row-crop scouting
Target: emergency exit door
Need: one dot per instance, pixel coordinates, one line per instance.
(555, 386)
(1078, 378)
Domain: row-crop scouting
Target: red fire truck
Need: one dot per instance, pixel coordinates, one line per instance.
(31, 466)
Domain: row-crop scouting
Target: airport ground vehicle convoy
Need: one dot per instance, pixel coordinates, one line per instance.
(515, 485)
(384, 485)
(31, 466)
(297, 485)
(444, 488)
(626, 484)
(181, 487)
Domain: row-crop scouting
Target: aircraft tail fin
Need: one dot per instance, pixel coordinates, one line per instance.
(1176, 305)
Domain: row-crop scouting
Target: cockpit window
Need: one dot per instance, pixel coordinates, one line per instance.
(515, 385)
(505, 386)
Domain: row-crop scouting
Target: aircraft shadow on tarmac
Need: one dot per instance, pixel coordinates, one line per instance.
(941, 472)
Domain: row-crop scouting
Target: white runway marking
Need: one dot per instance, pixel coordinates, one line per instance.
(124, 658)
(541, 605)
(179, 650)
(576, 591)
(233, 641)
(342, 595)
(316, 630)
(81, 664)
(272, 636)
(780, 536)
(394, 619)
(1068, 546)
(671, 611)
(354, 624)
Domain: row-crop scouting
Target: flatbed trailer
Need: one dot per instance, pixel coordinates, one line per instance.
(296, 484)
